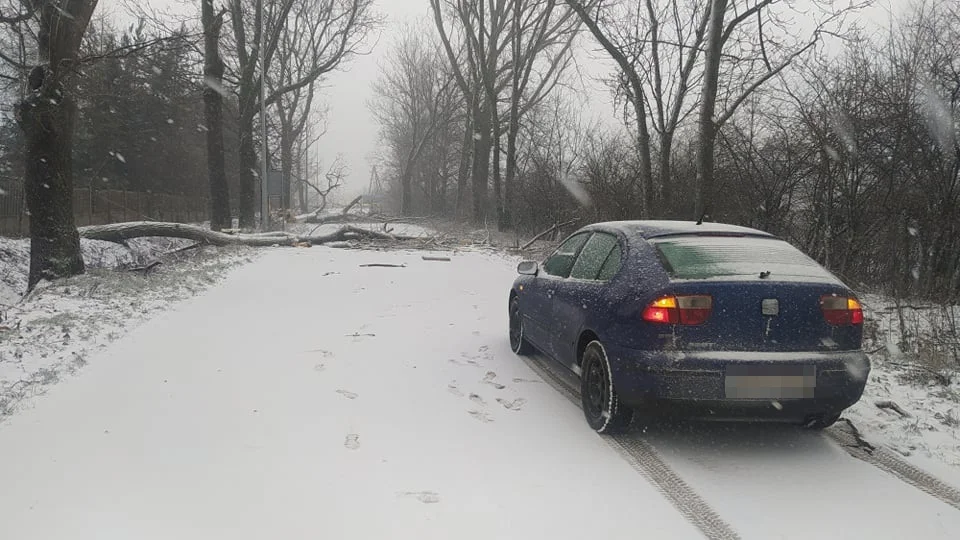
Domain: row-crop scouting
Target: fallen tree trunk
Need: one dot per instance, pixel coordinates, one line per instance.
(121, 232)
(334, 218)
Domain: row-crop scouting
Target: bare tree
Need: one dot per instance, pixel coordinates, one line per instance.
(555, 142)
(340, 28)
(475, 35)
(213, 69)
(542, 39)
(46, 115)
(414, 98)
(293, 108)
(754, 59)
(658, 46)
(516, 46)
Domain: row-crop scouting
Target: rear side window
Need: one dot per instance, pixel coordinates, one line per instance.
(705, 257)
(560, 263)
(611, 266)
(592, 256)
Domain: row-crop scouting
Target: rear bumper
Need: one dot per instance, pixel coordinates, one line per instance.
(696, 383)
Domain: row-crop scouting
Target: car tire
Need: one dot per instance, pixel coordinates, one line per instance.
(601, 405)
(822, 421)
(518, 343)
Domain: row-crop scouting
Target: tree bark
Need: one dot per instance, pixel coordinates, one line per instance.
(248, 173)
(707, 126)
(497, 180)
(509, 185)
(47, 119)
(406, 190)
(213, 69)
(666, 177)
(481, 164)
(465, 165)
(286, 165)
(46, 116)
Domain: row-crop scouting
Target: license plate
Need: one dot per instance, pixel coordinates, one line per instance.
(770, 382)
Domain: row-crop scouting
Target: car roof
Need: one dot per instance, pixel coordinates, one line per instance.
(656, 228)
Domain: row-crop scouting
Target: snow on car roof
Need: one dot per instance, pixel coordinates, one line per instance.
(655, 228)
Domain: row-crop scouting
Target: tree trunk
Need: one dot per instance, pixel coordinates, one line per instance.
(643, 153)
(46, 118)
(510, 203)
(440, 199)
(286, 166)
(707, 136)
(481, 164)
(465, 165)
(497, 180)
(248, 173)
(666, 179)
(406, 190)
(213, 113)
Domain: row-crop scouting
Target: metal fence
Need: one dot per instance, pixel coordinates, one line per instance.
(99, 207)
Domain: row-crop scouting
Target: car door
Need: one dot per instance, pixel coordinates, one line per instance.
(582, 293)
(536, 301)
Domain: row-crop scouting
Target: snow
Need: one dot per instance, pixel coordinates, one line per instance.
(699, 257)
(930, 437)
(781, 482)
(308, 396)
(55, 330)
(222, 419)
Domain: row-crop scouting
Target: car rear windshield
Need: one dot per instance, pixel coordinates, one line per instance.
(706, 257)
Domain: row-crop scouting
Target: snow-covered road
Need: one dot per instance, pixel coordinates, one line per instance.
(310, 397)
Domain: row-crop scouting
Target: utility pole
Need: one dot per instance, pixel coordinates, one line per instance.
(264, 178)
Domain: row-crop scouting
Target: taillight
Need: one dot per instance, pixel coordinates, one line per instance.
(841, 310)
(685, 310)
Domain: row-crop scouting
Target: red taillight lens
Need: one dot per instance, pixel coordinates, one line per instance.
(841, 310)
(685, 310)
(662, 311)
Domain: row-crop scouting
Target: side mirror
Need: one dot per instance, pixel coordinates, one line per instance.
(528, 268)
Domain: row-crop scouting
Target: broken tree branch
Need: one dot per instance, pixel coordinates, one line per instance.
(346, 209)
(121, 232)
(554, 227)
(892, 405)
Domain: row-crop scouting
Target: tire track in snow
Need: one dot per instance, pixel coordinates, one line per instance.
(890, 463)
(644, 459)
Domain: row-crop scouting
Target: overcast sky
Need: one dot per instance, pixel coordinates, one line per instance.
(351, 130)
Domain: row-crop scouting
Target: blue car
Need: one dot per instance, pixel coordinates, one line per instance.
(708, 320)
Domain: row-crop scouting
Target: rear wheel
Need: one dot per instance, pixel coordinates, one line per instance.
(601, 405)
(821, 421)
(518, 343)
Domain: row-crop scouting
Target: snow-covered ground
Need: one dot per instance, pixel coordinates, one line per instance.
(310, 396)
(56, 329)
(931, 432)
